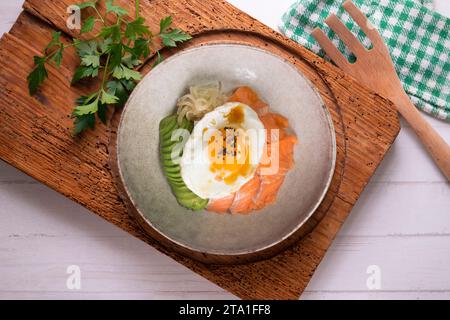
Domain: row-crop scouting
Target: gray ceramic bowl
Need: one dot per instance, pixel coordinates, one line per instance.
(288, 93)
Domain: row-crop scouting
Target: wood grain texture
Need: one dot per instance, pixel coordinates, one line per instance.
(38, 141)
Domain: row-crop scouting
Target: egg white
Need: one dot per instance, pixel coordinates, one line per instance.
(195, 163)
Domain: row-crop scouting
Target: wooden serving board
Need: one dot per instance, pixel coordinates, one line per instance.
(35, 133)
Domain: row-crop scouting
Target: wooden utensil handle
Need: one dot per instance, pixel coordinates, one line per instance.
(434, 143)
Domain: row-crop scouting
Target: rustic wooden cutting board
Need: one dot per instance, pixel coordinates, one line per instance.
(35, 134)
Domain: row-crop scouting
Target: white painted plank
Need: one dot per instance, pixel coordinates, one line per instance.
(36, 223)
(376, 295)
(29, 209)
(401, 208)
(434, 122)
(267, 11)
(408, 161)
(9, 175)
(9, 11)
(118, 265)
(125, 295)
(406, 264)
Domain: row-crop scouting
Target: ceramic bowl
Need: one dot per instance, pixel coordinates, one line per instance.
(286, 90)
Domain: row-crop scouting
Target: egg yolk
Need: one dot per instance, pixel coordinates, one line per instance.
(236, 115)
(228, 150)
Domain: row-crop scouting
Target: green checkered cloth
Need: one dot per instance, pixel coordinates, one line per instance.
(418, 39)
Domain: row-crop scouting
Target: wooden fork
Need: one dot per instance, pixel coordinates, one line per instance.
(374, 69)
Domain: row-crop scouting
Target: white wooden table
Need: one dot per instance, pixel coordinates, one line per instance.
(401, 225)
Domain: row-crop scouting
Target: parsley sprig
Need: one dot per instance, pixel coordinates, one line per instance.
(112, 55)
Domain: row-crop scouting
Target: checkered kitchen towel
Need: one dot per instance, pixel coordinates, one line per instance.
(418, 39)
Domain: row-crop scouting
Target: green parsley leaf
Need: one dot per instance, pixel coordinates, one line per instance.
(165, 24)
(88, 25)
(55, 42)
(141, 48)
(87, 48)
(110, 7)
(101, 113)
(82, 123)
(57, 56)
(130, 61)
(122, 72)
(116, 52)
(91, 61)
(171, 38)
(108, 98)
(84, 72)
(136, 28)
(129, 85)
(121, 89)
(38, 75)
(104, 46)
(86, 109)
(113, 32)
(158, 60)
(83, 100)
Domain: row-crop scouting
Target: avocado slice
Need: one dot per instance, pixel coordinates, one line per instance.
(172, 171)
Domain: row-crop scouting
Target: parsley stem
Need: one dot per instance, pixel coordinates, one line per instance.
(99, 15)
(137, 8)
(105, 72)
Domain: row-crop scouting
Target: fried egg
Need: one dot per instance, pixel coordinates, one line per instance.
(223, 152)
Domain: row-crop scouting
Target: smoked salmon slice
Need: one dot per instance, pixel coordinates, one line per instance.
(267, 193)
(244, 200)
(249, 97)
(262, 189)
(221, 205)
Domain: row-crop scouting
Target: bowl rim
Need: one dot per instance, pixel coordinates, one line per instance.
(298, 226)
